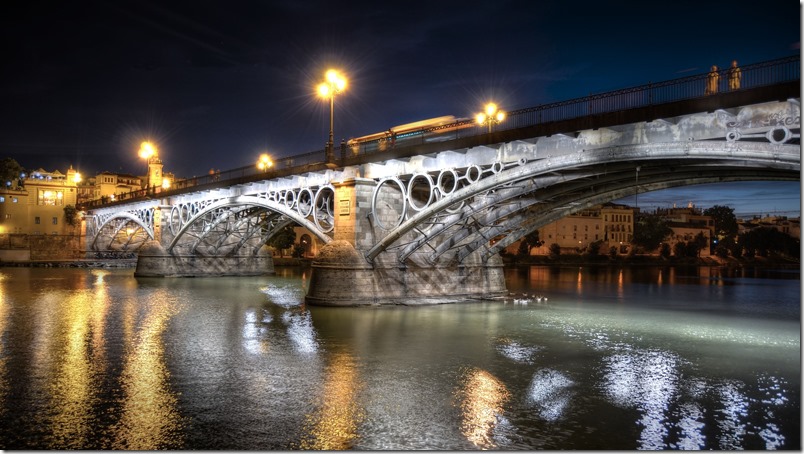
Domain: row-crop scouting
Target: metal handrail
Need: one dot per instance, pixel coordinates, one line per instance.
(756, 75)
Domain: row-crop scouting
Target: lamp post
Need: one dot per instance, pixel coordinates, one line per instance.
(491, 116)
(146, 152)
(264, 163)
(334, 84)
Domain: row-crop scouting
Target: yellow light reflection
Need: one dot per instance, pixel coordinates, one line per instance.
(4, 386)
(72, 390)
(334, 426)
(482, 398)
(150, 419)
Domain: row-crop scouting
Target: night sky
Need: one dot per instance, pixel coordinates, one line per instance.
(214, 84)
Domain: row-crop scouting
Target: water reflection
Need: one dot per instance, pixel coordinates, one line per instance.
(4, 384)
(150, 418)
(334, 426)
(550, 392)
(72, 388)
(481, 398)
(647, 381)
(100, 360)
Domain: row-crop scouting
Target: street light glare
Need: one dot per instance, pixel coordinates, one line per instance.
(147, 150)
(492, 116)
(335, 79)
(264, 162)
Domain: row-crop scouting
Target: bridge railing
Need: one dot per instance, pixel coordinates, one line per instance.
(210, 180)
(691, 87)
(756, 75)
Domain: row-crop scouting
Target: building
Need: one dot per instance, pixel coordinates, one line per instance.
(36, 205)
(111, 185)
(783, 224)
(687, 223)
(610, 223)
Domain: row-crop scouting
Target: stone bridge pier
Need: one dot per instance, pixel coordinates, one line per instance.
(346, 273)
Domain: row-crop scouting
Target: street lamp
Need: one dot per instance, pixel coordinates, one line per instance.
(264, 163)
(491, 116)
(333, 85)
(146, 152)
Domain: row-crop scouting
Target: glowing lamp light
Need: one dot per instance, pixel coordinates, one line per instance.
(147, 149)
(77, 178)
(491, 116)
(334, 83)
(165, 183)
(264, 163)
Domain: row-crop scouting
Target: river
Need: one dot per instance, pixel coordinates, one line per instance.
(578, 358)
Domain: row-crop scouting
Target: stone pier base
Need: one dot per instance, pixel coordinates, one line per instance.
(342, 277)
(152, 261)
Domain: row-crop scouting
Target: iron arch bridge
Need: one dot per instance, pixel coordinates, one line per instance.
(440, 209)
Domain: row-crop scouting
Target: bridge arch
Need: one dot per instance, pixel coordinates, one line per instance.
(560, 185)
(253, 220)
(111, 228)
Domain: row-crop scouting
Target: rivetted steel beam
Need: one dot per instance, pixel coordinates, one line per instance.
(558, 209)
(782, 156)
(252, 201)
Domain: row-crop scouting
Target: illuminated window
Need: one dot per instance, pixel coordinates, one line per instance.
(2, 199)
(50, 197)
(13, 200)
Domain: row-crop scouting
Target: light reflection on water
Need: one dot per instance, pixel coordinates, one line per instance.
(149, 417)
(616, 359)
(482, 399)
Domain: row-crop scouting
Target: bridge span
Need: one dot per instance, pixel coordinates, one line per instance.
(425, 223)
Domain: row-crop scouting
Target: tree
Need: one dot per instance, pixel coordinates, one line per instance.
(649, 231)
(69, 214)
(10, 171)
(764, 241)
(594, 248)
(555, 251)
(664, 251)
(725, 221)
(680, 249)
(283, 239)
(694, 247)
(531, 240)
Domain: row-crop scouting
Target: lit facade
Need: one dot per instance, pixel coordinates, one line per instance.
(36, 207)
(610, 223)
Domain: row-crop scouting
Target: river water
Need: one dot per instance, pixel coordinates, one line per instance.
(634, 358)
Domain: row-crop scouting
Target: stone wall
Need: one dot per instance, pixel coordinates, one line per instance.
(153, 261)
(342, 277)
(22, 247)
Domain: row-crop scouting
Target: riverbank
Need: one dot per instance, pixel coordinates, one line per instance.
(650, 260)
(565, 260)
(75, 263)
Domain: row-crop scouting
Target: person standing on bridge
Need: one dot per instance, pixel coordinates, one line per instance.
(712, 81)
(735, 75)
